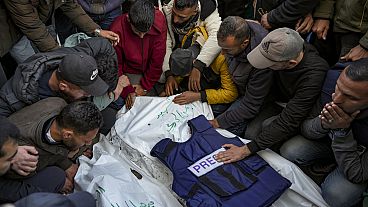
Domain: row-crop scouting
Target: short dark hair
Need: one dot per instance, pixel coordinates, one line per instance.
(108, 70)
(8, 132)
(358, 70)
(234, 26)
(183, 4)
(142, 15)
(80, 116)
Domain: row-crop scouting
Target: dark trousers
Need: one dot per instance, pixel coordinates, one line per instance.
(109, 118)
(336, 45)
(2, 76)
(50, 179)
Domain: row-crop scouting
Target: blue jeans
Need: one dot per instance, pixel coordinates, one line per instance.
(305, 151)
(339, 192)
(105, 20)
(336, 189)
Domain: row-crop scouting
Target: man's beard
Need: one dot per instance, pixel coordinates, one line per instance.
(183, 28)
(67, 98)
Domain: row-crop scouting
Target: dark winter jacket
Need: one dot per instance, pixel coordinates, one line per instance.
(253, 85)
(22, 88)
(300, 88)
(283, 13)
(33, 121)
(348, 16)
(30, 18)
(349, 148)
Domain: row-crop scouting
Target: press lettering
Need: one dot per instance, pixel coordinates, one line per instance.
(204, 164)
(210, 160)
(196, 167)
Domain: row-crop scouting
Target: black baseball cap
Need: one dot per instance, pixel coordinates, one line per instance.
(81, 70)
(181, 62)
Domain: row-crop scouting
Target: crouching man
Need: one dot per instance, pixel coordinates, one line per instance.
(57, 131)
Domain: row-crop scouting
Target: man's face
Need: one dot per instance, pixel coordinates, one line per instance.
(10, 149)
(75, 141)
(281, 66)
(180, 17)
(350, 95)
(231, 46)
(72, 92)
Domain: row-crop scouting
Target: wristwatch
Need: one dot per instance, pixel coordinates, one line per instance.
(97, 32)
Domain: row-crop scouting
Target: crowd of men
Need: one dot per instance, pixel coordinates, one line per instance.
(289, 75)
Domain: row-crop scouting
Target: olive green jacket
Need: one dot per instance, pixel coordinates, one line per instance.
(29, 17)
(348, 16)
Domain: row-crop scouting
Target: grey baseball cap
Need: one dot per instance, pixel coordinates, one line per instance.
(280, 45)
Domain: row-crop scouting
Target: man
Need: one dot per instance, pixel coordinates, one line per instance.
(142, 49)
(25, 21)
(183, 16)
(57, 131)
(50, 179)
(237, 37)
(71, 73)
(299, 75)
(343, 27)
(344, 120)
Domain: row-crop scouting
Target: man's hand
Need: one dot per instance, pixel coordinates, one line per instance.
(214, 123)
(88, 153)
(122, 83)
(305, 24)
(112, 36)
(72, 153)
(264, 22)
(139, 90)
(68, 187)
(355, 54)
(130, 100)
(194, 83)
(25, 161)
(321, 27)
(232, 154)
(333, 117)
(171, 85)
(187, 97)
(71, 171)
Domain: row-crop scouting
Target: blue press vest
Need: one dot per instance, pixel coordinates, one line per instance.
(249, 182)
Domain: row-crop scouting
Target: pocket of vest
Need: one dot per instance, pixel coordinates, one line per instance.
(255, 164)
(227, 180)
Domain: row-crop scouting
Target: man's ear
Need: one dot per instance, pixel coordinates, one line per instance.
(293, 63)
(245, 42)
(63, 86)
(67, 134)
